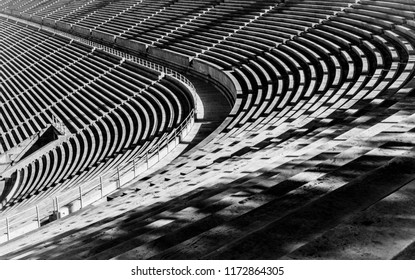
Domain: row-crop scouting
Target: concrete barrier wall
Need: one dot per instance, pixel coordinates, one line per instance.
(82, 31)
(169, 56)
(152, 160)
(218, 74)
(141, 168)
(163, 152)
(14, 232)
(131, 44)
(37, 19)
(123, 42)
(204, 67)
(127, 178)
(172, 144)
(26, 16)
(106, 37)
(49, 22)
(2, 186)
(64, 26)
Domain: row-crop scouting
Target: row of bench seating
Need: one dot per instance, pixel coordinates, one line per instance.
(109, 105)
(320, 107)
(225, 53)
(325, 158)
(282, 162)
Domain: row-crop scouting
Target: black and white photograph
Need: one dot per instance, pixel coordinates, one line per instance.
(266, 132)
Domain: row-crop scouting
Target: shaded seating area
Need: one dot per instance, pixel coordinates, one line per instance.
(110, 106)
(319, 137)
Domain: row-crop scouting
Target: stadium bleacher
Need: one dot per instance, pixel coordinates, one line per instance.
(318, 138)
(89, 90)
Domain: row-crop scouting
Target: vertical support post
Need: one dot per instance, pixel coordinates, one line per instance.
(101, 186)
(38, 216)
(147, 159)
(118, 177)
(175, 137)
(80, 197)
(8, 229)
(57, 204)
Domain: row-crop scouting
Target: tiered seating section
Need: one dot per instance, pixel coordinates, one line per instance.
(321, 129)
(114, 109)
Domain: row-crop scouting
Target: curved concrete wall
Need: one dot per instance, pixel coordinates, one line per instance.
(169, 56)
(105, 37)
(201, 67)
(218, 74)
(82, 31)
(130, 44)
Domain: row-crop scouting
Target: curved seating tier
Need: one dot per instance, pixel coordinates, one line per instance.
(109, 105)
(323, 113)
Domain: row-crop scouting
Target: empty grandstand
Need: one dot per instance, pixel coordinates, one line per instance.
(214, 129)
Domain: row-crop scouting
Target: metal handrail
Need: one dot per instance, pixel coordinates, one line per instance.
(89, 186)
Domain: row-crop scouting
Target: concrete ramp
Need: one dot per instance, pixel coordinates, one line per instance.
(40, 140)
(21, 155)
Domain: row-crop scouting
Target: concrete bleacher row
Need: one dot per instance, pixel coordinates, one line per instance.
(114, 109)
(323, 106)
(235, 48)
(211, 215)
